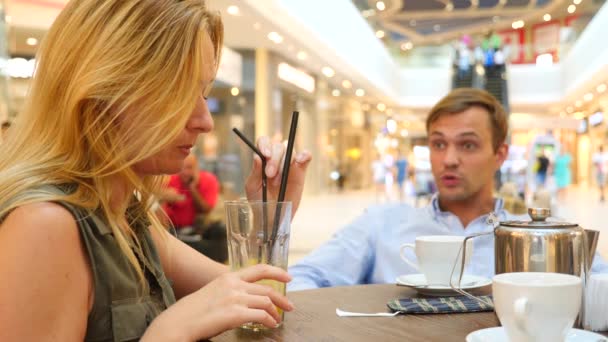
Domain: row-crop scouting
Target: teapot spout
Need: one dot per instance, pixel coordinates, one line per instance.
(592, 236)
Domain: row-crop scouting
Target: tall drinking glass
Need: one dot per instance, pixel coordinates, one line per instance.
(258, 233)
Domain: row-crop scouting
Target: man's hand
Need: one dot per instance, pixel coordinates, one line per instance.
(170, 195)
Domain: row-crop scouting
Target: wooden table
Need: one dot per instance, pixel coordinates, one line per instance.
(315, 319)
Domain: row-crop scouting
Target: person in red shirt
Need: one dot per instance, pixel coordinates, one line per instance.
(194, 194)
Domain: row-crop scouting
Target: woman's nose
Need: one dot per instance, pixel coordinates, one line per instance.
(201, 119)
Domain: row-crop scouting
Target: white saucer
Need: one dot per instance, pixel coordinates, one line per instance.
(415, 281)
(498, 334)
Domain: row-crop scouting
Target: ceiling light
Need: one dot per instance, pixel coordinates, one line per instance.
(588, 97)
(412, 22)
(571, 9)
(436, 27)
(601, 88)
(547, 17)
(327, 71)
(346, 84)
(257, 26)
(335, 92)
(302, 55)
(518, 24)
(569, 109)
(31, 41)
(234, 91)
(449, 7)
(275, 37)
(577, 2)
(360, 92)
(578, 104)
(380, 34)
(380, 6)
(404, 133)
(381, 107)
(407, 46)
(234, 10)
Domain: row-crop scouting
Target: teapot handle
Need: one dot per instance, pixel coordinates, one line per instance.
(463, 249)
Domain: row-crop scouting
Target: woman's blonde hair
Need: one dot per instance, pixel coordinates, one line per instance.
(115, 83)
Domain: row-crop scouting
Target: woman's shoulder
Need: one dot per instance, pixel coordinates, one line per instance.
(41, 222)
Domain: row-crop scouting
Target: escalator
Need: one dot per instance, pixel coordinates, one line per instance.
(462, 79)
(496, 84)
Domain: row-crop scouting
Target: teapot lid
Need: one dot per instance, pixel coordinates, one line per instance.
(539, 217)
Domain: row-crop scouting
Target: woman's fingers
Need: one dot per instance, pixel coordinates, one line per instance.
(254, 181)
(275, 297)
(265, 146)
(261, 316)
(273, 165)
(261, 303)
(262, 271)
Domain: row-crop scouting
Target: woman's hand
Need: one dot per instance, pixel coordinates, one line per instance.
(274, 153)
(228, 302)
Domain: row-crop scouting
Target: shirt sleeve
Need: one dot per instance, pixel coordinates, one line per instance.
(599, 264)
(343, 260)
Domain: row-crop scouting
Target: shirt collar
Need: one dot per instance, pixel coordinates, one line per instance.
(498, 207)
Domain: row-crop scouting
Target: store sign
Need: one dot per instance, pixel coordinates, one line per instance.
(231, 68)
(296, 77)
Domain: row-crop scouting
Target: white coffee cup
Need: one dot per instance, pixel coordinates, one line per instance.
(437, 255)
(537, 306)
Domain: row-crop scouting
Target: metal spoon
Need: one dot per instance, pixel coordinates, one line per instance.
(341, 313)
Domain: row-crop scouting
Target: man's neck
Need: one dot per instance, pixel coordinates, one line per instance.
(469, 209)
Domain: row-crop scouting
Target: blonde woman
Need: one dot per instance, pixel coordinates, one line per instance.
(117, 100)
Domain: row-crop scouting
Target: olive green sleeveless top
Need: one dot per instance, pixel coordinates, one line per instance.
(120, 311)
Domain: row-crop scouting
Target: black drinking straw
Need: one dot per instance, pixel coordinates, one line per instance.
(255, 149)
(264, 189)
(284, 176)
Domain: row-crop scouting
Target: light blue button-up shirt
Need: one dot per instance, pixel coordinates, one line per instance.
(367, 250)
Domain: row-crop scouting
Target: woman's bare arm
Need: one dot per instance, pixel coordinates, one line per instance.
(46, 286)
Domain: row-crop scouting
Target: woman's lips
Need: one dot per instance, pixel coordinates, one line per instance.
(185, 149)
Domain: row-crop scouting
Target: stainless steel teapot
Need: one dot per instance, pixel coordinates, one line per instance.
(539, 246)
(543, 246)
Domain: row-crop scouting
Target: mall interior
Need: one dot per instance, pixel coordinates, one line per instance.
(363, 75)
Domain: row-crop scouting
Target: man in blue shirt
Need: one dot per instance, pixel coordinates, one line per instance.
(466, 131)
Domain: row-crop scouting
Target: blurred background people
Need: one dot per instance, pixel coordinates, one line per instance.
(561, 172)
(600, 160)
(402, 167)
(189, 198)
(542, 165)
(379, 176)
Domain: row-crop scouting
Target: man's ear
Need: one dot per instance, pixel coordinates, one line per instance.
(501, 154)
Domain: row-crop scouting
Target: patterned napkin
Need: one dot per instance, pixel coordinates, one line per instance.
(440, 305)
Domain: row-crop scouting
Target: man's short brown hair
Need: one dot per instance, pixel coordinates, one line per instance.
(461, 99)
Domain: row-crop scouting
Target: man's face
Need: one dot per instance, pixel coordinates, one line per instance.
(463, 159)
